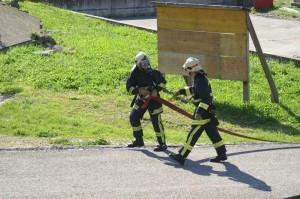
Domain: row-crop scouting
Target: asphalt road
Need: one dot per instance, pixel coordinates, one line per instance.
(262, 170)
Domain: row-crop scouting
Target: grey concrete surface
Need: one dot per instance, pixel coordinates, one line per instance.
(277, 37)
(16, 26)
(261, 170)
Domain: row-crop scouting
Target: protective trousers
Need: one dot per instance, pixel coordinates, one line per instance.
(135, 120)
(194, 134)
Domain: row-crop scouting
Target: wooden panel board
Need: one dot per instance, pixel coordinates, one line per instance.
(191, 42)
(233, 68)
(218, 37)
(171, 63)
(234, 45)
(201, 19)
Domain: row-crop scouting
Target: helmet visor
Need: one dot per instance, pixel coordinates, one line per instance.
(188, 68)
(144, 64)
(193, 68)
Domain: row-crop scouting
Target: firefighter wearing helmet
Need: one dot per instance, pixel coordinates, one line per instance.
(143, 82)
(204, 114)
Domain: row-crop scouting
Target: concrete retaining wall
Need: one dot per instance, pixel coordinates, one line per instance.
(296, 3)
(127, 8)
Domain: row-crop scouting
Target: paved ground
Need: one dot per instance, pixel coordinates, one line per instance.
(252, 171)
(277, 37)
(16, 26)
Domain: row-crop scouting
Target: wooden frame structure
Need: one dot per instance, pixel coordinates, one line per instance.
(217, 35)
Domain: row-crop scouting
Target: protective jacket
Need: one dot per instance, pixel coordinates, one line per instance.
(149, 79)
(202, 96)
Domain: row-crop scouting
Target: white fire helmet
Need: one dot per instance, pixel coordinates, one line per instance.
(192, 65)
(142, 60)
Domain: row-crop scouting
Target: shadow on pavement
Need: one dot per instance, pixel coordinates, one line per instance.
(232, 171)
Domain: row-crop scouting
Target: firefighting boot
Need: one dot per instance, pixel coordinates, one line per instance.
(138, 142)
(219, 158)
(161, 147)
(178, 158)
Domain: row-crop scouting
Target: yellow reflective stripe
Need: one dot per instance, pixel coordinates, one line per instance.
(146, 87)
(157, 111)
(218, 144)
(203, 105)
(158, 134)
(137, 128)
(188, 143)
(187, 90)
(200, 122)
(196, 100)
(135, 106)
(188, 147)
(161, 133)
(131, 89)
(162, 85)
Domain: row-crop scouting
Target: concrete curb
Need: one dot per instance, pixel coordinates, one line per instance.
(171, 146)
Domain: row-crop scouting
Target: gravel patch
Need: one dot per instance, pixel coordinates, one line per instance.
(276, 16)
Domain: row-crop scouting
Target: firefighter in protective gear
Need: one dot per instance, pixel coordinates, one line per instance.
(204, 114)
(143, 82)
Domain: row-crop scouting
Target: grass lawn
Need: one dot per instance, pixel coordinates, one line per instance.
(78, 97)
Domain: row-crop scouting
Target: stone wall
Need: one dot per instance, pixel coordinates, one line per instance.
(127, 8)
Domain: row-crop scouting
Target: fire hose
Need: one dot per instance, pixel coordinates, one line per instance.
(183, 112)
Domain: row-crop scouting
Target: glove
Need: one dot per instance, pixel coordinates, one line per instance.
(154, 92)
(176, 93)
(198, 116)
(212, 109)
(144, 92)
